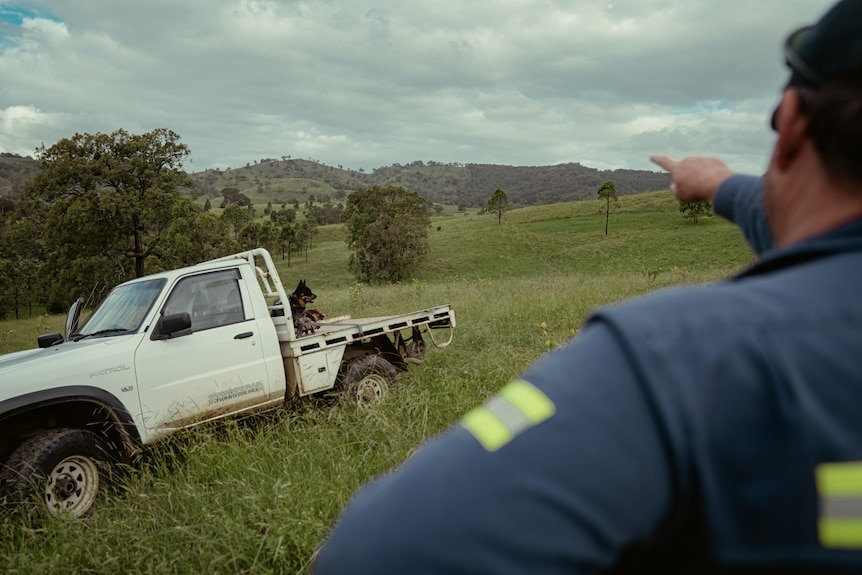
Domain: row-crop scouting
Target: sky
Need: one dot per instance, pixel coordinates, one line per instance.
(372, 83)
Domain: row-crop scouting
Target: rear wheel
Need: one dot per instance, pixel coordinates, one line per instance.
(63, 469)
(368, 379)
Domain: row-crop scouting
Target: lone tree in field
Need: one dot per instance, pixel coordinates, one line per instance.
(609, 192)
(498, 203)
(387, 230)
(696, 209)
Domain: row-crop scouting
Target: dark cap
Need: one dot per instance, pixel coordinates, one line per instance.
(830, 48)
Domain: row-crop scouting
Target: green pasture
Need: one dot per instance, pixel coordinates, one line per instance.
(257, 496)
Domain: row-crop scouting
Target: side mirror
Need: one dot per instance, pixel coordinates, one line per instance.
(173, 325)
(49, 339)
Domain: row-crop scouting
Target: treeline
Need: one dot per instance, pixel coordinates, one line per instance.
(535, 185)
(107, 208)
(467, 185)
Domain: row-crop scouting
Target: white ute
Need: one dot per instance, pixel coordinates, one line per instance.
(172, 350)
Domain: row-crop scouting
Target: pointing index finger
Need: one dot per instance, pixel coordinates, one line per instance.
(662, 161)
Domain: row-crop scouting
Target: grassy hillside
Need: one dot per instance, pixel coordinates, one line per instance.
(257, 496)
(647, 237)
(286, 180)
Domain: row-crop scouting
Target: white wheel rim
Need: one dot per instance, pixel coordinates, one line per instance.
(72, 486)
(371, 388)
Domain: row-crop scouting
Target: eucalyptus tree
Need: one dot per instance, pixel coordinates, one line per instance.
(387, 233)
(608, 192)
(109, 198)
(196, 235)
(22, 253)
(235, 219)
(696, 209)
(498, 203)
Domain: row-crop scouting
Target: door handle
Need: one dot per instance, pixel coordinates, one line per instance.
(243, 335)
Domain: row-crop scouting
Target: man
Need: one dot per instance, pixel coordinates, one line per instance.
(713, 429)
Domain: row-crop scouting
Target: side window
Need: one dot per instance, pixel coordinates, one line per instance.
(211, 299)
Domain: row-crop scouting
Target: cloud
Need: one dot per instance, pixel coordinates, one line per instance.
(519, 82)
(20, 127)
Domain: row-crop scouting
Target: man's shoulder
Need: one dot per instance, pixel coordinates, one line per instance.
(790, 295)
(689, 308)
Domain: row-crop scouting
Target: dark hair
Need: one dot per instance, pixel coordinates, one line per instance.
(834, 111)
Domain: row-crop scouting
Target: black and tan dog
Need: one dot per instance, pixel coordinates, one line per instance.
(302, 317)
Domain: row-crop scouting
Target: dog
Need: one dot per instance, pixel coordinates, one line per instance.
(302, 317)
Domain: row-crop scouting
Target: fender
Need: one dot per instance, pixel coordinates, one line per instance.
(121, 419)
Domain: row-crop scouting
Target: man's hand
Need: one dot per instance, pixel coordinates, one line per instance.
(694, 178)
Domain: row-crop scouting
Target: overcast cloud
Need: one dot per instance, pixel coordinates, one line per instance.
(369, 84)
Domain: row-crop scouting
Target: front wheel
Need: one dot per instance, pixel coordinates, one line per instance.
(64, 469)
(368, 379)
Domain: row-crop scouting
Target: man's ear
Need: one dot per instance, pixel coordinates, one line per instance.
(792, 127)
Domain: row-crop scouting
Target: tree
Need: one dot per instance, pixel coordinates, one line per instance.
(326, 214)
(109, 198)
(696, 209)
(286, 238)
(234, 196)
(235, 218)
(21, 256)
(258, 234)
(196, 235)
(302, 234)
(498, 203)
(387, 232)
(608, 192)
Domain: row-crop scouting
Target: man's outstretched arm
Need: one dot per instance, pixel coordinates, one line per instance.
(736, 197)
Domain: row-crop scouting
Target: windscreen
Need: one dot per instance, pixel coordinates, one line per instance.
(123, 310)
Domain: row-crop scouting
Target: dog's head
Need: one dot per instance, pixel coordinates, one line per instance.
(302, 295)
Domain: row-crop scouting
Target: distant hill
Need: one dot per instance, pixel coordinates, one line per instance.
(280, 181)
(285, 180)
(16, 172)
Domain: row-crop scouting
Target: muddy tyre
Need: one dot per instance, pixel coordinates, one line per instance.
(63, 470)
(368, 379)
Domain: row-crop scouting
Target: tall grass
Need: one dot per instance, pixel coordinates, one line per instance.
(258, 495)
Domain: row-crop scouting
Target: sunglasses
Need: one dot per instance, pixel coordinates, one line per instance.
(795, 62)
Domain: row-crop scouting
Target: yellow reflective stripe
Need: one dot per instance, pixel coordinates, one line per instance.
(839, 479)
(491, 432)
(519, 406)
(839, 486)
(533, 404)
(840, 533)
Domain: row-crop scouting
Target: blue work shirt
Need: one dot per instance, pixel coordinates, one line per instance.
(710, 429)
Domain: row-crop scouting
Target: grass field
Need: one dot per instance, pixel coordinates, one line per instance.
(257, 495)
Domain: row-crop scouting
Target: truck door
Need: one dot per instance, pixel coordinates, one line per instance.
(215, 368)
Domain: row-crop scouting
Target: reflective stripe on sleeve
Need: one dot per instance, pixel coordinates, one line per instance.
(519, 406)
(839, 486)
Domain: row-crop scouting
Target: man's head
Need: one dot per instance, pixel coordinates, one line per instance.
(814, 181)
(825, 62)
